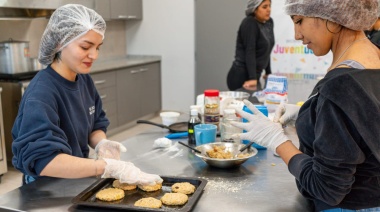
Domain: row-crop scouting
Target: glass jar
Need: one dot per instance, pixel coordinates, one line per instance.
(211, 107)
(227, 129)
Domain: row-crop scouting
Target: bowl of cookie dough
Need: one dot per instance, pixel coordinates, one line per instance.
(224, 155)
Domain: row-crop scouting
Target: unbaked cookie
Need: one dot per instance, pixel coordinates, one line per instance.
(148, 188)
(149, 202)
(174, 199)
(124, 186)
(184, 188)
(110, 194)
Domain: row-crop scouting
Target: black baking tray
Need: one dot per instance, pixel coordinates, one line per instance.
(87, 197)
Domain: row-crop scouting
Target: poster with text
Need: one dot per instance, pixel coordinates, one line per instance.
(289, 56)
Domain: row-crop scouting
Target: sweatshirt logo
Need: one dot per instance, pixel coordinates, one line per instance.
(91, 110)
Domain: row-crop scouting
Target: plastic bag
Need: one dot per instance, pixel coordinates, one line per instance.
(276, 91)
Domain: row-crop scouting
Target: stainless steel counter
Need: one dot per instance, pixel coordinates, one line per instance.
(123, 62)
(261, 184)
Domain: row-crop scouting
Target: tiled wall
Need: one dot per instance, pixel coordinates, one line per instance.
(32, 29)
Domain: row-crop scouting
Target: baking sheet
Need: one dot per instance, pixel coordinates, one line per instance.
(87, 197)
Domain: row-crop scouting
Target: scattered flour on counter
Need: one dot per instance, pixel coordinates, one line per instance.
(221, 185)
(179, 153)
(172, 152)
(235, 190)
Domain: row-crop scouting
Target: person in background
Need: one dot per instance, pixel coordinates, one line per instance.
(254, 44)
(374, 32)
(337, 164)
(61, 115)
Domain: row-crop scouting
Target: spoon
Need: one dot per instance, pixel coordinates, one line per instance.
(243, 148)
(195, 150)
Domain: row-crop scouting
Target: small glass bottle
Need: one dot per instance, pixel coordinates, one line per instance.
(199, 108)
(227, 129)
(194, 120)
(211, 107)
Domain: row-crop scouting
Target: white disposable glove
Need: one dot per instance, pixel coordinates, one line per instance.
(286, 114)
(126, 172)
(260, 128)
(109, 149)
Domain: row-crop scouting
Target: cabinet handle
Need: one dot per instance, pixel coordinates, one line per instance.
(143, 69)
(135, 71)
(127, 16)
(97, 82)
(103, 96)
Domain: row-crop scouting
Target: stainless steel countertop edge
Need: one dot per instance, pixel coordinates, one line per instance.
(123, 62)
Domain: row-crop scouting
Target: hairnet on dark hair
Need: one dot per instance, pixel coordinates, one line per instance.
(251, 6)
(353, 14)
(67, 24)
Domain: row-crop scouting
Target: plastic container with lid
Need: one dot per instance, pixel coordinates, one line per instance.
(264, 110)
(227, 129)
(211, 107)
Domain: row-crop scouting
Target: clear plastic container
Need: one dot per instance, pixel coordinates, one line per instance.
(211, 107)
(227, 129)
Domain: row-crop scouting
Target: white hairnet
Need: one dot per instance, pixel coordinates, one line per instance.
(66, 24)
(252, 5)
(354, 14)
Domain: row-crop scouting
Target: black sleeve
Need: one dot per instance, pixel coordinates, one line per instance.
(268, 69)
(328, 175)
(249, 32)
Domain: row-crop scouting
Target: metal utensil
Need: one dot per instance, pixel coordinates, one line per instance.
(243, 148)
(173, 128)
(195, 150)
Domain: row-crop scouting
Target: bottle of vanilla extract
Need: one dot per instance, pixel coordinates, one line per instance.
(194, 120)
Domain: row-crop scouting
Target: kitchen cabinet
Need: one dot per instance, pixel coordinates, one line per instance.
(10, 100)
(105, 83)
(3, 157)
(129, 93)
(42, 4)
(119, 9)
(138, 91)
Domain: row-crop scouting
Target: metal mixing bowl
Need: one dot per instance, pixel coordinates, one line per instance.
(225, 163)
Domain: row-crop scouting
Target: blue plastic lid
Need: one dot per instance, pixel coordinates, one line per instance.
(262, 108)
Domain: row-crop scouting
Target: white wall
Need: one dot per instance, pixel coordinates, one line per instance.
(167, 29)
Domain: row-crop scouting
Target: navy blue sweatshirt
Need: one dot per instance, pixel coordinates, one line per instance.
(339, 133)
(55, 116)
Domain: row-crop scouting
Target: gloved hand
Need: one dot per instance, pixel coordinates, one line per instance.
(109, 149)
(126, 172)
(286, 114)
(260, 128)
